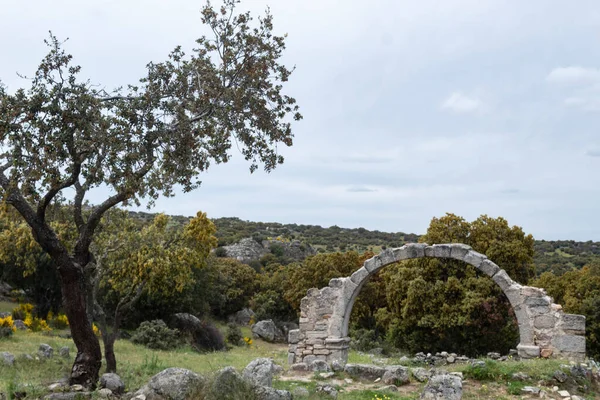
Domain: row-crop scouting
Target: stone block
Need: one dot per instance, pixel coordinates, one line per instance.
(489, 268)
(569, 343)
(415, 250)
(400, 253)
(573, 323)
(502, 279)
(299, 367)
(538, 310)
(291, 358)
(513, 293)
(459, 251)
(294, 336)
(316, 335)
(474, 258)
(359, 275)
(336, 282)
(372, 264)
(531, 291)
(321, 351)
(442, 250)
(387, 257)
(314, 341)
(309, 359)
(544, 321)
(528, 351)
(538, 301)
(429, 251)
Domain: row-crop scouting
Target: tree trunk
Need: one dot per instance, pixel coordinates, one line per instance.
(89, 356)
(109, 353)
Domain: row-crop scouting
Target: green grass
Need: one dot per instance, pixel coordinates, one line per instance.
(343, 394)
(7, 306)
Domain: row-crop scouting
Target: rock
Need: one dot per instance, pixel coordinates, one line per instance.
(105, 393)
(69, 396)
(450, 359)
(5, 289)
(560, 376)
(248, 249)
(421, 374)
(20, 325)
(268, 331)
(337, 365)
(287, 327)
(326, 375)
(396, 375)
(520, 376)
(493, 356)
(564, 393)
(77, 388)
(299, 367)
(389, 388)
(328, 390)
(5, 314)
(319, 366)
(45, 351)
(64, 352)
(172, 384)
(228, 384)
(113, 382)
(447, 387)
(243, 317)
(530, 390)
(364, 371)
(260, 372)
(59, 386)
(404, 360)
(7, 358)
(25, 357)
(478, 364)
(300, 392)
(268, 393)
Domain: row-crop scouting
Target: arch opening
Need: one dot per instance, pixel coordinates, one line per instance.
(544, 329)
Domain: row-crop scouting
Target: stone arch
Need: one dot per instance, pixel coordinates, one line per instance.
(544, 329)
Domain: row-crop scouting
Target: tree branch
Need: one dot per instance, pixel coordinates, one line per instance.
(43, 205)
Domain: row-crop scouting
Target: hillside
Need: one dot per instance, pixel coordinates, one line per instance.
(556, 256)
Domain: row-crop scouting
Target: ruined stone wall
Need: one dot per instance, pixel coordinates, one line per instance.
(545, 330)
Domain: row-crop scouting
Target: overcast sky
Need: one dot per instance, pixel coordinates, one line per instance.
(411, 108)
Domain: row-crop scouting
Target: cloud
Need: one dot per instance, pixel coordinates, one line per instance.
(574, 75)
(367, 159)
(360, 189)
(593, 153)
(459, 102)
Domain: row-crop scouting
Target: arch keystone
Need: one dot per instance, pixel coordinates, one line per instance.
(415, 250)
(442, 250)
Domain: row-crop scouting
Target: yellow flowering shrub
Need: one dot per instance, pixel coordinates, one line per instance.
(60, 321)
(248, 341)
(96, 330)
(36, 324)
(21, 311)
(7, 326)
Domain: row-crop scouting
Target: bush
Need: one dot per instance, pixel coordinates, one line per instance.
(202, 335)
(22, 310)
(36, 324)
(59, 322)
(156, 335)
(7, 327)
(234, 334)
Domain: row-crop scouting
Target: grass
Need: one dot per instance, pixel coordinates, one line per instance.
(7, 306)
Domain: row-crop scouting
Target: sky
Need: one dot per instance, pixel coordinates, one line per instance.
(411, 108)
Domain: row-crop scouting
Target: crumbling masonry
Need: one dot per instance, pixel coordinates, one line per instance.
(545, 330)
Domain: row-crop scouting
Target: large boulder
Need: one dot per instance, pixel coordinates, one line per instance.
(172, 384)
(364, 371)
(396, 375)
(260, 372)
(7, 358)
(268, 393)
(20, 325)
(443, 387)
(113, 382)
(242, 317)
(228, 384)
(268, 331)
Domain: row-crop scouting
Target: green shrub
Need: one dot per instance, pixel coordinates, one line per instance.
(156, 335)
(490, 371)
(234, 334)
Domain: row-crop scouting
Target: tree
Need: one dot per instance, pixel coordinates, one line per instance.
(156, 259)
(141, 141)
(435, 305)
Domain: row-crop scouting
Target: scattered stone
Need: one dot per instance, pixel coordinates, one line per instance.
(389, 388)
(259, 372)
(64, 352)
(450, 359)
(478, 363)
(58, 386)
(171, 384)
(348, 381)
(227, 384)
(447, 387)
(105, 393)
(7, 358)
(268, 393)
(530, 390)
(520, 376)
(268, 331)
(337, 365)
(326, 375)
(404, 360)
(457, 373)
(300, 392)
(421, 374)
(328, 390)
(493, 355)
(20, 325)
(576, 398)
(113, 382)
(243, 317)
(319, 366)
(77, 388)
(396, 375)
(560, 376)
(364, 371)
(45, 351)
(564, 393)
(69, 396)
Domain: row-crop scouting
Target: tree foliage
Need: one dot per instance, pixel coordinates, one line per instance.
(140, 141)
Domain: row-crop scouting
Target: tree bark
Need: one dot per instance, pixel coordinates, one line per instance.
(109, 353)
(89, 356)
